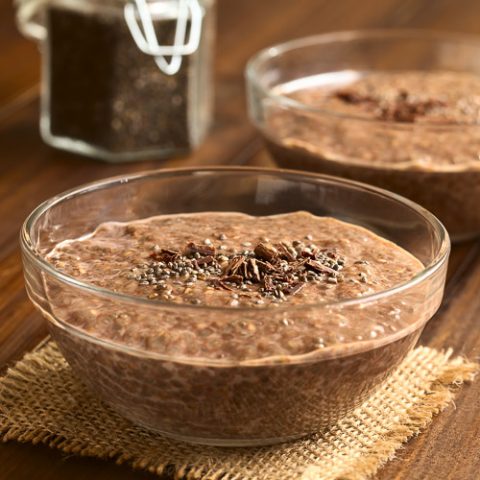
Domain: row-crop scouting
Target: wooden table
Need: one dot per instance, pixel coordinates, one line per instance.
(30, 172)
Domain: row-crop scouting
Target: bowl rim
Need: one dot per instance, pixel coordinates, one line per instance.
(30, 252)
(258, 59)
(29, 248)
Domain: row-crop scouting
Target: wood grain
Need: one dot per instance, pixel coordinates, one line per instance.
(31, 172)
(19, 62)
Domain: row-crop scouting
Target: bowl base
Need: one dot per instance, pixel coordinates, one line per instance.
(231, 442)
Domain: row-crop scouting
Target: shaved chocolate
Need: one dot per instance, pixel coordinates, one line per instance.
(403, 108)
(254, 269)
(264, 266)
(277, 270)
(294, 288)
(286, 253)
(268, 284)
(353, 97)
(319, 267)
(220, 284)
(193, 248)
(164, 255)
(205, 260)
(266, 251)
(234, 265)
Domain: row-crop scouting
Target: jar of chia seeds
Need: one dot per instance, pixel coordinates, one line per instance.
(123, 80)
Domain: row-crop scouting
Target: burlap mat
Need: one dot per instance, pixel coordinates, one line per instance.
(41, 401)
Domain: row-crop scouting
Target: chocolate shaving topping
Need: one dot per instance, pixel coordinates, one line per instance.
(287, 252)
(245, 272)
(266, 251)
(264, 267)
(319, 267)
(234, 265)
(294, 288)
(205, 260)
(403, 108)
(407, 109)
(255, 272)
(193, 248)
(353, 97)
(164, 255)
(268, 284)
(271, 270)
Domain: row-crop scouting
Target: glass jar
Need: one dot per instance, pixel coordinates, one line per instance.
(123, 80)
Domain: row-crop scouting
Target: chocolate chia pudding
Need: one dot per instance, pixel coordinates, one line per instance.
(239, 353)
(415, 133)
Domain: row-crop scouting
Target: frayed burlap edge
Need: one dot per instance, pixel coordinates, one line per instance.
(317, 458)
(436, 397)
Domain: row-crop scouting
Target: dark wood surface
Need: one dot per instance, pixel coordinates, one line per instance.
(31, 172)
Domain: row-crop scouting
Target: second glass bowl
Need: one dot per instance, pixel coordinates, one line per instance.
(436, 165)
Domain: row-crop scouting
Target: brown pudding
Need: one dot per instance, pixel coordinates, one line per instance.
(236, 260)
(240, 351)
(414, 133)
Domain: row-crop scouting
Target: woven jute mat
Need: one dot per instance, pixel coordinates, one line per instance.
(41, 401)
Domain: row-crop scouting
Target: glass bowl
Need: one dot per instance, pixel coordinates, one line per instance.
(219, 401)
(436, 165)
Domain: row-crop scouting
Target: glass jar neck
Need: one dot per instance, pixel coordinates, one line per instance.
(30, 18)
